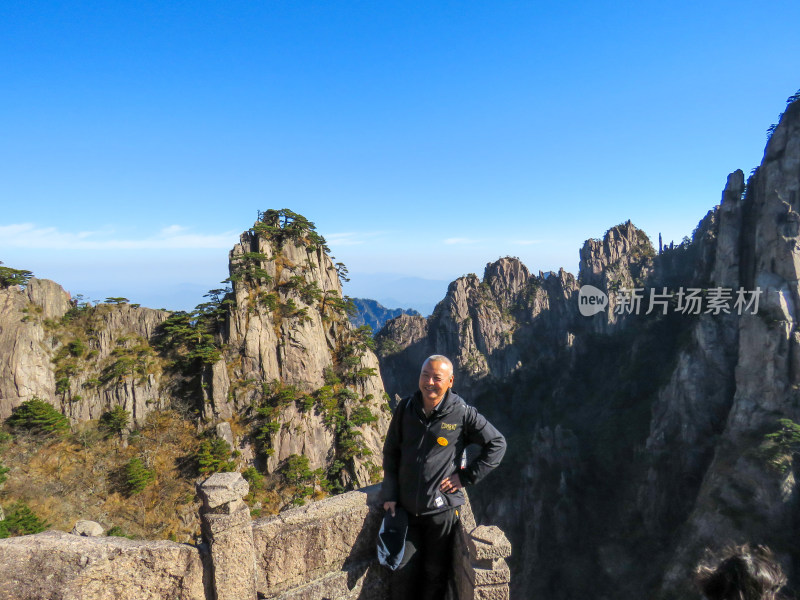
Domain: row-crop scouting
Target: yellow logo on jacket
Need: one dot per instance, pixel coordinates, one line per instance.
(442, 441)
(449, 426)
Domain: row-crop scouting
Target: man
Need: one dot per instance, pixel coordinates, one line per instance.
(421, 460)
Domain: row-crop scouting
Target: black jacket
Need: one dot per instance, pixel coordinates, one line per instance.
(419, 452)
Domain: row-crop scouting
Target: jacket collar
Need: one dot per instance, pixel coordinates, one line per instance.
(444, 407)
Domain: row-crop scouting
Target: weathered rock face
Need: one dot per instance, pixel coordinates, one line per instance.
(483, 327)
(25, 368)
(622, 259)
(71, 567)
(74, 367)
(666, 415)
(739, 497)
(286, 325)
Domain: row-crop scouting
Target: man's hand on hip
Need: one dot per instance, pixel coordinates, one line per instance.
(389, 506)
(451, 484)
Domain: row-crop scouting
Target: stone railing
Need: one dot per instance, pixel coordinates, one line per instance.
(323, 550)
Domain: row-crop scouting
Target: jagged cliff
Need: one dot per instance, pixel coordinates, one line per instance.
(636, 440)
(275, 356)
(287, 323)
(85, 368)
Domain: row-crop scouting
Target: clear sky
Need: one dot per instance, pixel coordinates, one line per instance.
(424, 139)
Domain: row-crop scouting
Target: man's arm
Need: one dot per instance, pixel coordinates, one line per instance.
(493, 446)
(391, 459)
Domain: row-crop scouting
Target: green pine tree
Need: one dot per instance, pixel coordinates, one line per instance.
(115, 420)
(38, 416)
(21, 520)
(137, 476)
(214, 456)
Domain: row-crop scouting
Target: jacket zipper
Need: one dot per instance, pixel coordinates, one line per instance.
(420, 463)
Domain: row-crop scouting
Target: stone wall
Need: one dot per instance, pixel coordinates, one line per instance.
(55, 565)
(325, 550)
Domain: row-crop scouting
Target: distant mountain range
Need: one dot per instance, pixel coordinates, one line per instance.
(392, 289)
(375, 314)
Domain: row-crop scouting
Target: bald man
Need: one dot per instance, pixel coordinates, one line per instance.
(421, 464)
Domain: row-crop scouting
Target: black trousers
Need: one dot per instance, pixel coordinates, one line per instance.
(425, 570)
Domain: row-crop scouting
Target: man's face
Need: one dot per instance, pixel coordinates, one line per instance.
(434, 380)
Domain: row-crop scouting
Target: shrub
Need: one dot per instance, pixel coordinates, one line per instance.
(254, 478)
(117, 531)
(364, 373)
(270, 300)
(362, 415)
(136, 476)
(214, 456)
(351, 445)
(330, 377)
(115, 420)
(267, 430)
(780, 448)
(306, 402)
(296, 469)
(77, 348)
(21, 520)
(298, 474)
(62, 385)
(38, 416)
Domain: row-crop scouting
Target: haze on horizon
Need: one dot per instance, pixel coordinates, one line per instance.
(423, 140)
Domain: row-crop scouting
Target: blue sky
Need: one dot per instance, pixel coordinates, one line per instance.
(424, 139)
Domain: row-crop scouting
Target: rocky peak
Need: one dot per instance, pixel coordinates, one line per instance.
(475, 324)
(623, 259)
(48, 295)
(290, 352)
(456, 302)
(506, 278)
(728, 232)
(616, 258)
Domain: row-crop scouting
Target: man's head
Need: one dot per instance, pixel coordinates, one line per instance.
(435, 378)
(742, 573)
